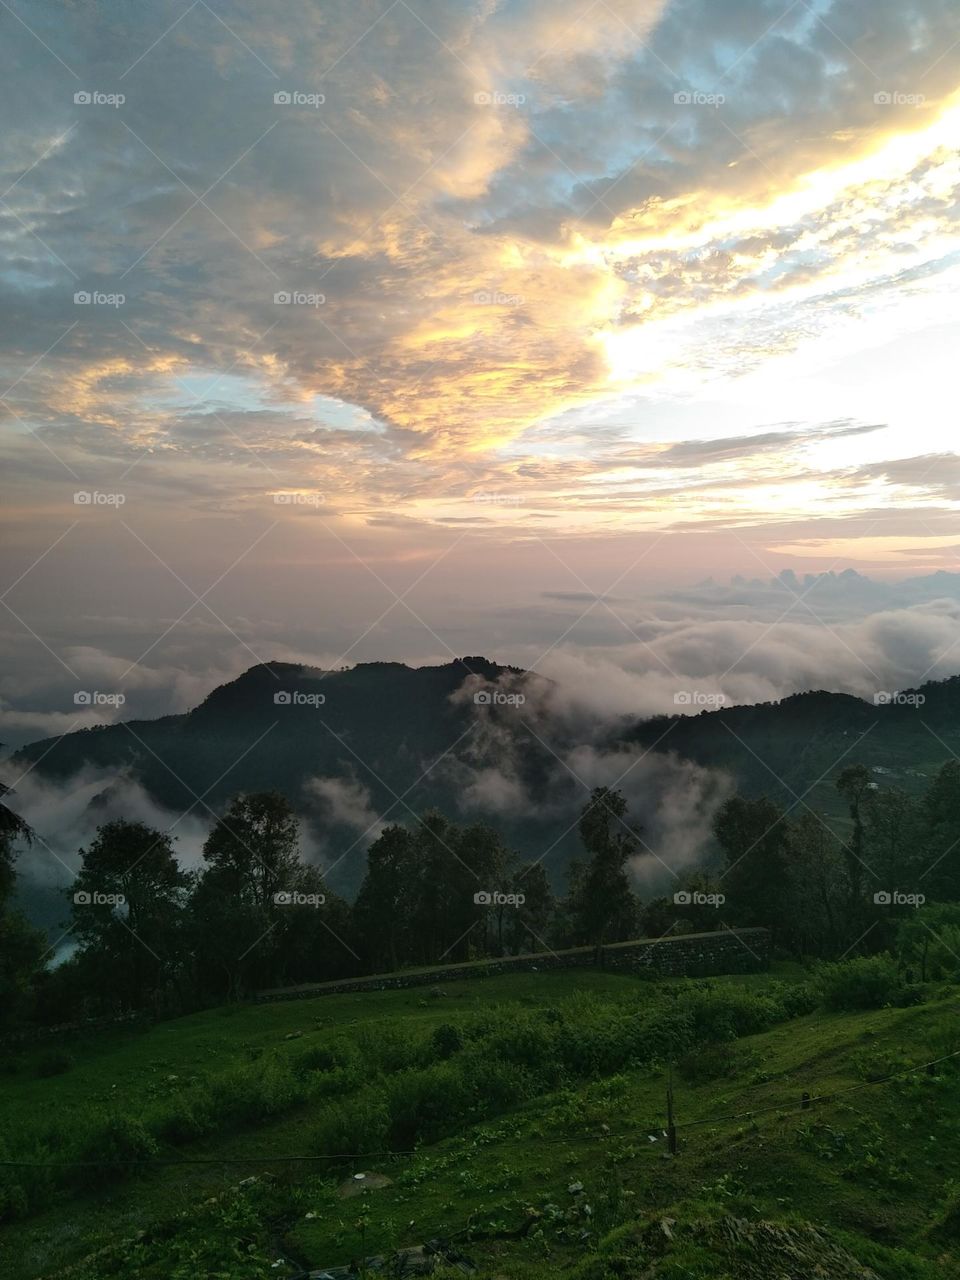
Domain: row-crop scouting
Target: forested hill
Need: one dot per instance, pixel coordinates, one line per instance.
(384, 726)
(795, 747)
(280, 724)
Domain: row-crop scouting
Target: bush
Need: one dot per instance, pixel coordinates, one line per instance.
(358, 1127)
(867, 982)
(794, 999)
(447, 1040)
(250, 1094)
(114, 1146)
(186, 1118)
(427, 1105)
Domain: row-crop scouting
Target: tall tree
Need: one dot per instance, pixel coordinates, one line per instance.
(252, 861)
(253, 846)
(12, 829)
(753, 835)
(128, 901)
(21, 946)
(940, 872)
(894, 838)
(811, 907)
(530, 924)
(602, 901)
(385, 902)
(855, 784)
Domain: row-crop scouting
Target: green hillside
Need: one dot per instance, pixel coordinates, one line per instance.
(532, 1108)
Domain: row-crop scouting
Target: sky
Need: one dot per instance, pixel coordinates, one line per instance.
(408, 329)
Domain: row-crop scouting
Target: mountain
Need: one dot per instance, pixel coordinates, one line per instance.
(386, 740)
(796, 747)
(346, 747)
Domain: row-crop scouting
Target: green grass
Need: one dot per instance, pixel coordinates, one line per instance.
(869, 1167)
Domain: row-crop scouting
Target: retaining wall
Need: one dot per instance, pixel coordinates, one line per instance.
(693, 955)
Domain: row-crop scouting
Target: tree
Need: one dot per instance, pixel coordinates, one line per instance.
(21, 946)
(855, 784)
(315, 937)
(529, 924)
(253, 847)
(12, 829)
(817, 887)
(929, 938)
(482, 866)
(602, 903)
(941, 843)
(128, 902)
(753, 835)
(386, 898)
(252, 861)
(894, 837)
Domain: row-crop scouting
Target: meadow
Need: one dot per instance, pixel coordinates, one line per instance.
(519, 1118)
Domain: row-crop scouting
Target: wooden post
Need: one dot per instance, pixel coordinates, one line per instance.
(671, 1125)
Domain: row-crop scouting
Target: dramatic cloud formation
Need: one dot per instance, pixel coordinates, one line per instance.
(375, 327)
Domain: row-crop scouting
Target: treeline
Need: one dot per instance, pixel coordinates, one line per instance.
(823, 895)
(146, 934)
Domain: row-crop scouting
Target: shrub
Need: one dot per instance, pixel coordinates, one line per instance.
(249, 1094)
(186, 1118)
(356, 1127)
(794, 999)
(447, 1040)
(866, 982)
(114, 1146)
(427, 1105)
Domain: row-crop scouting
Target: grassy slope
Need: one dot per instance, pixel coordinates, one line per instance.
(872, 1163)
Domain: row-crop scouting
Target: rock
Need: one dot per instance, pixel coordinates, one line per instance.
(575, 1188)
(293, 1035)
(361, 1182)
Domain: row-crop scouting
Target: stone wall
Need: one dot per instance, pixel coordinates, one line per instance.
(692, 955)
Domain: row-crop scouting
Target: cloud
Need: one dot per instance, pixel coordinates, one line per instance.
(345, 802)
(534, 299)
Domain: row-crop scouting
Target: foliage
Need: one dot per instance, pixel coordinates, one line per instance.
(866, 982)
